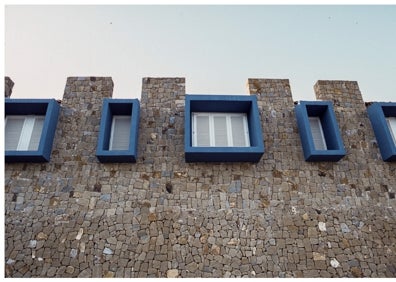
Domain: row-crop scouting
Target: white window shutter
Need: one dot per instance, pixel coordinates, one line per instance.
(202, 130)
(238, 131)
(392, 127)
(220, 131)
(317, 133)
(13, 131)
(120, 133)
(26, 134)
(36, 133)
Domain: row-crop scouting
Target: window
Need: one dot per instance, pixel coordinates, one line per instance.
(221, 128)
(383, 120)
(319, 133)
(30, 126)
(118, 133)
(22, 133)
(392, 127)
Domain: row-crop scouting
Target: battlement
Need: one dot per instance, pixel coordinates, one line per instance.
(161, 216)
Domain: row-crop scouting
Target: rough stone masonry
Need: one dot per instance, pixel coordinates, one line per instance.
(163, 217)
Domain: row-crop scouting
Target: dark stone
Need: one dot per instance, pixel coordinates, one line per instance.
(145, 177)
(356, 272)
(169, 187)
(384, 188)
(97, 187)
(277, 173)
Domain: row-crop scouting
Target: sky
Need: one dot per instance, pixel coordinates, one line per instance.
(215, 47)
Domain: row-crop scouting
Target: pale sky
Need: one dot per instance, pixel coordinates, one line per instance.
(216, 48)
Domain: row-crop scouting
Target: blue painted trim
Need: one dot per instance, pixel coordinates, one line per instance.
(47, 107)
(229, 104)
(377, 113)
(118, 107)
(324, 110)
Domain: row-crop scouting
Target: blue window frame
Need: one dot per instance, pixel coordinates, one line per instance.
(30, 113)
(114, 125)
(322, 114)
(252, 151)
(380, 115)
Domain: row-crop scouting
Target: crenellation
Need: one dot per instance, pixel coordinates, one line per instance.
(162, 217)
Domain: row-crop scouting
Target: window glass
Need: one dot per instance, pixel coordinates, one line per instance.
(23, 133)
(239, 129)
(392, 127)
(317, 133)
(37, 129)
(220, 130)
(202, 132)
(13, 130)
(120, 133)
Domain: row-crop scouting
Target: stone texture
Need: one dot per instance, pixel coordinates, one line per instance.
(172, 273)
(334, 263)
(322, 226)
(345, 228)
(318, 256)
(8, 85)
(161, 217)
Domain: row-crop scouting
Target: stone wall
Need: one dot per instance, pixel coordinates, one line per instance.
(162, 217)
(8, 85)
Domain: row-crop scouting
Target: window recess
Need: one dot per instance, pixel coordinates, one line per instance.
(118, 132)
(222, 128)
(30, 126)
(319, 133)
(382, 116)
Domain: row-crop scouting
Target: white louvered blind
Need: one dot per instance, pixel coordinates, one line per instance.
(220, 130)
(240, 134)
(13, 130)
(202, 131)
(392, 127)
(36, 133)
(317, 133)
(120, 132)
(23, 133)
